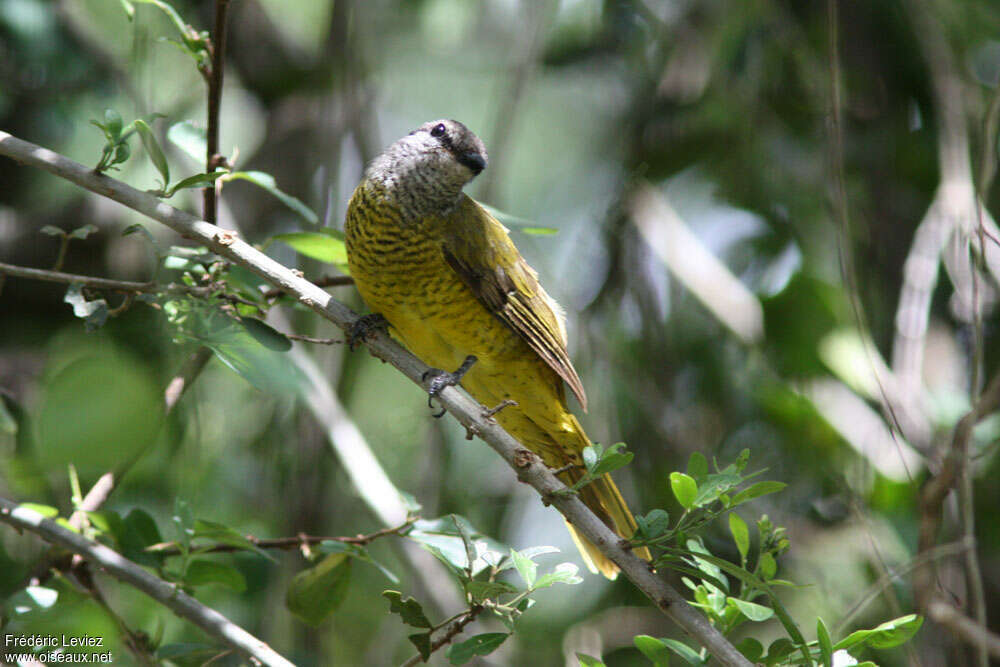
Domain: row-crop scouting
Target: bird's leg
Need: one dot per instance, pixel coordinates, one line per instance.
(438, 379)
(363, 328)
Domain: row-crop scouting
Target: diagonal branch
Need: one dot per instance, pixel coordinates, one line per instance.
(167, 594)
(468, 412)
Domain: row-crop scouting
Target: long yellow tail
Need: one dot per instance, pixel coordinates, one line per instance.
(605, 500)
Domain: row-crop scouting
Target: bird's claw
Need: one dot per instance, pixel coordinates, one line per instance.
(363, 327)
(438, 379)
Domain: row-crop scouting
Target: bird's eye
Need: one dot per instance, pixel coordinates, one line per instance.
(438, 130)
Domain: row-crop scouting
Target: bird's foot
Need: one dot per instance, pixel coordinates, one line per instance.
(438, 379)
(363, 327)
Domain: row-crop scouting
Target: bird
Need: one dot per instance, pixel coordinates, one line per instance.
(444, 276)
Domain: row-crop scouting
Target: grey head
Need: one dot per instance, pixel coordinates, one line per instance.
(425, 171)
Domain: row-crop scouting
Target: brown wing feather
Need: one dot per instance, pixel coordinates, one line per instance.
(478, 249)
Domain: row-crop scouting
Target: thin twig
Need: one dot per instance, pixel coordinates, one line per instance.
(453, 631)
(169, 595)
(325, 281)
(296, 542)
(126, 286)
(212, 157)
(466, 411)
(962, 626)
(317, 341)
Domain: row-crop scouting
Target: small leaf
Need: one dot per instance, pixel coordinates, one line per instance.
(196, 181)
(526, 567)
(654, 524)
(130, 14)
(825, 646)
(137, 531)
(888, 635)
(422, 640)
(767, 567)
(113, 124)
(189, 138)
(590, 455)
(93, 313)
(588, 660)
(122, 153)
(267, 182)
(612, 459)
(154, 151)
(408, 608)
(82, 232)
(316, 592)
(653, 649)
(714, 486)
(697, 466)
(778, 649)
(200, 572)
(741, 535)
(484, 644)
(756, 491)
(684, 651)
(319, 246)
(52, 230)
(752, 610)
(484, 590)
(564, 573)
(266, 335)
(685, 489)
(751, 649)
(45, 510)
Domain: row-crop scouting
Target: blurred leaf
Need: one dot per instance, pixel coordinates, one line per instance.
(525, 567)
(887, 635)
(588, 661)
(45, 510)
(316, 592)
(189, 138)
(52, 230)
(756, 491)
(751, 649)
(485, 590)
(200, 572)
(753, 611)
(266, 335)
(137, 531)
(741, 534)
(463, 652)
(82, 232)
(267, 182)
(322, 247)
(654, 524)
(697, 467)
(825, 646)
(779, 649)
(130, 14)
(113, 124)
(564, 573)
(154, 151)
(685, 489)
(223, 534)
(359, 552)
(655, 650)
(32, 598)
(422, 640)
(196, 181)
(409, 609)
(93, 313)
(689, 655)
(199, 653)
(768, 566)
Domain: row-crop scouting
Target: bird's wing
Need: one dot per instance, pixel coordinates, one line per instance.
(479, 250)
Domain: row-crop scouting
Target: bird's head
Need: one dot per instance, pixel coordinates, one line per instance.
(426, 170)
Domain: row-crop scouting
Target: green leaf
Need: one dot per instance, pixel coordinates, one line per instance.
(697, 466)
(756, 491)
(316, 592)
(422, 640)
(138, 531)
(485, 590)
(714, 486)
(93, 313)
(267, 182)
(752, 610)
(526, 567)
(654, 524)
(685, 489)
(45, 510)
(484, 644)
(316, 245)
(767, 566)
(408, 608)
(52, 230)
(266, 335)
(113, 124)
(751, 649)
(130, 14)
(233, 344)
(825, 646)
(122, 153)
(684, 651)
(741, 535)
(612, 459)
(154, 151)
(589, 660)
(196, 181)
(200, 572)
(564, 573)
(189, 138)
(654, 649)
(888, 635)
(359, 552)
(779, 649)
(223, 534)
(82, 232)
(591, 454)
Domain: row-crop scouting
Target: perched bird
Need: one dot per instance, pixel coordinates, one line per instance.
(453, 289)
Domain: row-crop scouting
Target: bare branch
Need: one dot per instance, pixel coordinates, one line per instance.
(69, 278)
(468, 412)
(169, 595)
(963, 627)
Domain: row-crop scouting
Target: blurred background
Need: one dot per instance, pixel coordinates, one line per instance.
(741, 268)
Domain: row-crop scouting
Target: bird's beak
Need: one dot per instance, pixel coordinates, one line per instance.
(473, 160)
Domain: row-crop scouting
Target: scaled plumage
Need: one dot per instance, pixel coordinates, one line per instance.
(450, 282)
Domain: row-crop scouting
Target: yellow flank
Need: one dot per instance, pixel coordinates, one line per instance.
(431, 280)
